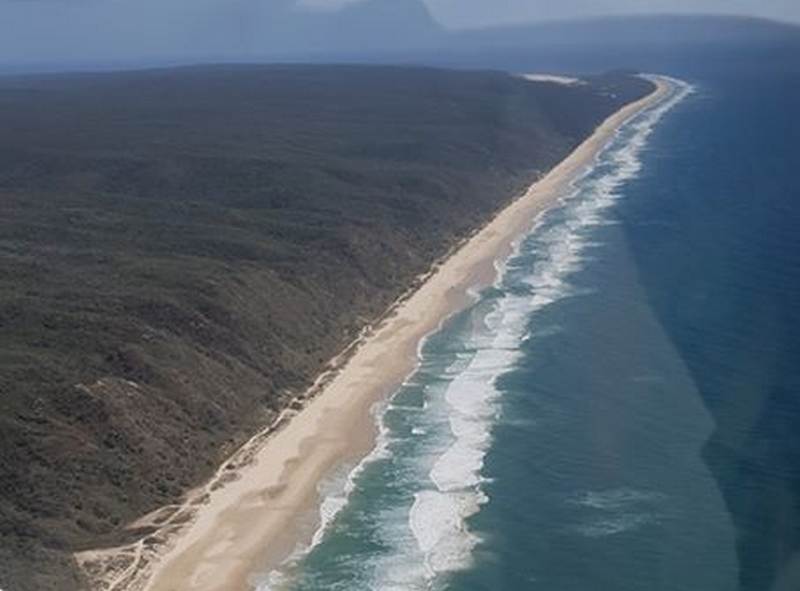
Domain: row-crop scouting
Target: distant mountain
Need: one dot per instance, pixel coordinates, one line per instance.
(668, 43)
(386, 24)
(101, 35)
(674, 30)
(360, 28)
(391, 31)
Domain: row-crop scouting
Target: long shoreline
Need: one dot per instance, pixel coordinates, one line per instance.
(264, 500)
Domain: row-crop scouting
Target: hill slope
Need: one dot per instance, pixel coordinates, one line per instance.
(185, 249)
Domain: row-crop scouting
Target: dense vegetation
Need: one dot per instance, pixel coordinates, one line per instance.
(184, 249)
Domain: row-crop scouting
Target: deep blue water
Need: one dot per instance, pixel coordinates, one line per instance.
(620, 411)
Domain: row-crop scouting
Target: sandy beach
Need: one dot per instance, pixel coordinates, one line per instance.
(265, 500)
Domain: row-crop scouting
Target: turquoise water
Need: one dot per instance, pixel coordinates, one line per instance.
(561, 433)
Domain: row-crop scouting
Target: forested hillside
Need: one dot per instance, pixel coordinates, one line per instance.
(184, 250)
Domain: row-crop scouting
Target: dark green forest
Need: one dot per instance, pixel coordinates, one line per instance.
(183, 250)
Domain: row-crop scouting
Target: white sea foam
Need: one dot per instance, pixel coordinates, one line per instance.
(616, 525)
(335, 493)
(438, 517)
(336, 500)
(617, 510)
(615, 499)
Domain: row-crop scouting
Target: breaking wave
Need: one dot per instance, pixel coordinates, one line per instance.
(451, 431)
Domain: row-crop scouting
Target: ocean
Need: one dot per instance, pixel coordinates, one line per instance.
(619, 411)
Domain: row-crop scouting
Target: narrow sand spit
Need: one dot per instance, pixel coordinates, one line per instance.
(264, 499)
(569, 81)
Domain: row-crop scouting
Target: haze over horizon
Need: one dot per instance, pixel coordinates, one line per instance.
(58, 31)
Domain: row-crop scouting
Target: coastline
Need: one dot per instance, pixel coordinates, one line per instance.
(250, 517)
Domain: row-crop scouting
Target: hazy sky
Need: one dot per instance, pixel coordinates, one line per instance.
(470, 13)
